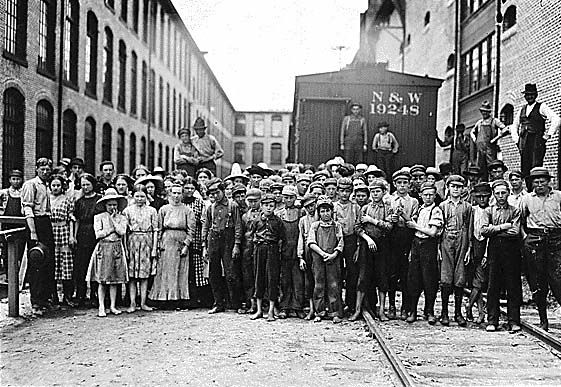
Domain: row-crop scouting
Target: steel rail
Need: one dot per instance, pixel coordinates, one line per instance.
(397, 365)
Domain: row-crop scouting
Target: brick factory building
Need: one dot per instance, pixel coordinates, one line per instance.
(460, 42)
(130, 76)
(261, 136)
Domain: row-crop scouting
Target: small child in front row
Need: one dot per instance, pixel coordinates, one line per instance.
(268, 236)
(325, 240)
(108, 266)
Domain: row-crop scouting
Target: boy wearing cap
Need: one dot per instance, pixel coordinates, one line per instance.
(361, 195)
(222, 232)
(476, 271)
(303, 252)
(268, 235)
(516, 180)
(403, 209)
(291, 277)
(503, 232)
(325, 240)
(454, 248)
(497, 169)
(385, 146)
(541, 220)
(10, 205)
(276, 189)
(330, 186)
(347, 214)
(423, 266)
(253, 198)
(418, 177)
(373, 256)
(238, 194)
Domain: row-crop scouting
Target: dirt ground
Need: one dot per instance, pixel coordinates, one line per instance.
(75, 347)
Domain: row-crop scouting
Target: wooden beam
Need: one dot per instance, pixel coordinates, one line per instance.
(12, 219)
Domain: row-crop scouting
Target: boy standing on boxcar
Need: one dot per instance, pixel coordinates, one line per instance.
(454, 248)
(423, 266)
(325, 240)
(403, 208)
(303, 252)
(268, 235)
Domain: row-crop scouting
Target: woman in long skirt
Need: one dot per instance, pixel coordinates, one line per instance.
(62, 220)
(177, 224)
(142, 238)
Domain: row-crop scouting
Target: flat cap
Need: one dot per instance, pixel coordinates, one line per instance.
(497, 164)
(77, 161)
(515, 172)
(267, 198)
(433, 172)
(539, 172)
(290, 190)
(418, 168)
(456, 179)
(265, 184)
(316, 184)
(401, 174)
(426, 186)
(482, 188)
(330, 181)
(378, 183)
(238, 188)
(317, 175)
(361, 167)
(15, 173)
(308, 199)
(499, 182)
(345, 182)
(324, 201)
(215, 184)
(277, 186)
(253, 193)
(362, 187)
(304, 177)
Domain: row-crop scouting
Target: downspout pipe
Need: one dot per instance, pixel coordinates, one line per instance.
(456, 64)
(60, 83)
(498, 26)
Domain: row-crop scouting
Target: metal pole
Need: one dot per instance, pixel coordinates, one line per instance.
(60, 81)
(456, 65)
(498, 26)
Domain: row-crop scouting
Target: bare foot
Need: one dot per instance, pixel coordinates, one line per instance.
(355, 316)
(131, 309)
(101, 312)
(115, 311)
(309, 316)
(337, 320)
(271, 317)
(146, 308)
(317, 319)
(256, 316)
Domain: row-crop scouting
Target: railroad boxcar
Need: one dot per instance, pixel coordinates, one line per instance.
(407, 102)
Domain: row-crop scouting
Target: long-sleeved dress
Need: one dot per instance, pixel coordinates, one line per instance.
(142, 224)
(61, 215)
(177, 226)
(108, 265)
(84, 210)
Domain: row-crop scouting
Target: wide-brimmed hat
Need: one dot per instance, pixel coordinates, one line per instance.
(485, 107)
(257, 170)
(530, 88)
(77, 161)
(235, 173)
(266, 168)
(199, 124)
(497, 164)
(156, 179)
(111, 194)
(482, 189)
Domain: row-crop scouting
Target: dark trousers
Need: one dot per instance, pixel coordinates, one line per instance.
(224, 281)
(327, 288)
(41, 273)
(267, 270)
(543, 254)
(368, 264)
(210, 165)
(476, 274)
(401, 238)
(423, 273)
(248, 273)
(84, 249)
(385, 160)
(504, 269)
(532, 153)
(292, 280)
(351, 269)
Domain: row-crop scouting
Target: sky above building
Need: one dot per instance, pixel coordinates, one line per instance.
(256, 47)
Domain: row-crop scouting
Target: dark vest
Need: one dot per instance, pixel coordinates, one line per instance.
(534, 123)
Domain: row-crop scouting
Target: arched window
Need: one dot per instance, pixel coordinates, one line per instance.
(507, 114)
(509, 19)
(143, 150)
(160, 155)
(71, 30)
(108, 67)
(106, 141)
(239, 128)
(89, 145)
(120, 151)
(91, 54)
(122, 75)
(451, 62)
(44, 130)
(151, 150)
(276, 153)
(47, 40)
(239, 152)
(68, 134)
(257, 153)
(167, 159)
(12, 134)
(132, 152)
(427, 18)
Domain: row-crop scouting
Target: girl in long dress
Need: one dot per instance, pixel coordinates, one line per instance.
(177, 225)
(108, 266)
(142, 242)
(62, 219)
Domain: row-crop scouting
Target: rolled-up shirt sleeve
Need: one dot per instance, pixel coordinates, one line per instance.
(218, 151)
(555, 120)
(28, 193)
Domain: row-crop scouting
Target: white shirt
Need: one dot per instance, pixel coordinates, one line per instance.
(545, 111)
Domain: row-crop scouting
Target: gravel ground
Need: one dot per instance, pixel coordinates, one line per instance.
(188, 347)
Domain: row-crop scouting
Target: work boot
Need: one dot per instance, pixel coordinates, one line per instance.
(445, 295)
(544, 323)
(480, 311)
(458, 317)
(431, 319)
(391, 312)
(403, 314)
(469, 313)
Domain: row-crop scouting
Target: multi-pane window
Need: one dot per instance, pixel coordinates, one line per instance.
(276, 126)
(135, 10)
(276, 153)
(120, 151)
(15, 40)
(152, 97)
(12, 133)
(239, 127)
(180, 114)
(239, 152)
(144, 90)
(174, 114)
(106, 141)
(160, 161)
(257, 153)
(152, 37)
(469, 7)
(168, 110)
(132, 152)
(44, 130)
(91, 54)
(122, 75)
(134, 80)
(143, 150)
(70, 52)
(478, 67)
(162, 30)
(89, 145)
(47, 24)
(145, 21)
(161, 104)
(167, 158)
(259, 126)
(151, 150)
(108, 67)
(124, 10)
(68, 134)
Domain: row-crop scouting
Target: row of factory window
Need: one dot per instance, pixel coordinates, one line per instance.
(14, 129)
(258, 130)
(257, 153)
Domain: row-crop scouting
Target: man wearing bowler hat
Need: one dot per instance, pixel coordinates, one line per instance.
(528, 130)
(206, 144)
(354, 135)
